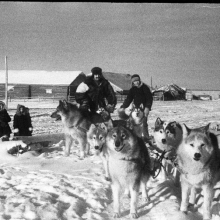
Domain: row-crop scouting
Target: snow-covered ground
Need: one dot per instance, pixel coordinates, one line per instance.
(49, 186)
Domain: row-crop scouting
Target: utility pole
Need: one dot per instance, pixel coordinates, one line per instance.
(151, 82)
(6, 82)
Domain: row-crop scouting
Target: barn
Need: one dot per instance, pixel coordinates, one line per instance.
(35, 83)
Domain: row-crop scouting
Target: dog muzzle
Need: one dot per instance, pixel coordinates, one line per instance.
(197, 156)
(118, 146)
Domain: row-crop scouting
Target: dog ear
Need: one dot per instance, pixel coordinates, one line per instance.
(206, 128)
(173, 124)
(65, 104)
(103, 126)
(158, 122)
(214, 141)
(186, 130)
(92, 126)
(109, 125)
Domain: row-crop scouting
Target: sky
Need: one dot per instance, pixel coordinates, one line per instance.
(162, 42)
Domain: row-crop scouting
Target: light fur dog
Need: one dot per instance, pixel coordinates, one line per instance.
(129, 167)
(96, 137)
(167, 136)
(134, 117)
(198, 160)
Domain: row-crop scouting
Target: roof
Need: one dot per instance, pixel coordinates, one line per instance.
(119, 81)
(122, 80)
(39, 77)
(172, 89)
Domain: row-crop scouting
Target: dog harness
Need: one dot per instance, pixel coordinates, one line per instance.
(78, 127)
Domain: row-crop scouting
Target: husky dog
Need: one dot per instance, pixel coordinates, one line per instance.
(159, 135)
(96, 137)
(129, 166)
(167, 136)
(198, 160)
(76, 124)
(134, 117)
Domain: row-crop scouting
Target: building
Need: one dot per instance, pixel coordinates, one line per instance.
(30, 84)
(36, 83)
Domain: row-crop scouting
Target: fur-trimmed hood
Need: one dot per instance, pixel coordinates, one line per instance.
(18, 110)
(3, 105)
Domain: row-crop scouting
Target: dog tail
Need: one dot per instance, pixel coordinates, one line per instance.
(122, 115)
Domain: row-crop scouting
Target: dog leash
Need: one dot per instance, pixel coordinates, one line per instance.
(157, 164)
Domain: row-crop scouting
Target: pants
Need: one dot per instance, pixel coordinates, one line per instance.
(145, 124)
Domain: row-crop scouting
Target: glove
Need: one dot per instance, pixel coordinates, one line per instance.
(110, 108)
(122, 114)
(30, 129)
(16, 130)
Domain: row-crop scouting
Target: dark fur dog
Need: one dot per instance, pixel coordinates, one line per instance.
(129, 166)
(76, 124)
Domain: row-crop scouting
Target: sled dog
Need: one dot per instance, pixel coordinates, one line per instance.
(167, 136)
(96, 137)
(129, 166)
(198, 160)
(134, 118)
(76, 124)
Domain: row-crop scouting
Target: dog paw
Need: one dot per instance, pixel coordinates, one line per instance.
(116, 215)
(134, 215)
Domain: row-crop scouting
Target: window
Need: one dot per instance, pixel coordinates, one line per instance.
(49, 91)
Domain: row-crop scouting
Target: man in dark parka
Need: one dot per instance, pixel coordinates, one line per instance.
(5, 129)
(139, 94)
(96, 92)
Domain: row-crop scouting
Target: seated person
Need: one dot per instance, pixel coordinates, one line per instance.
(5, 129)
(22, 122)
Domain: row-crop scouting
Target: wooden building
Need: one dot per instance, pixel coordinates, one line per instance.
(31, 84)
(35, 84)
